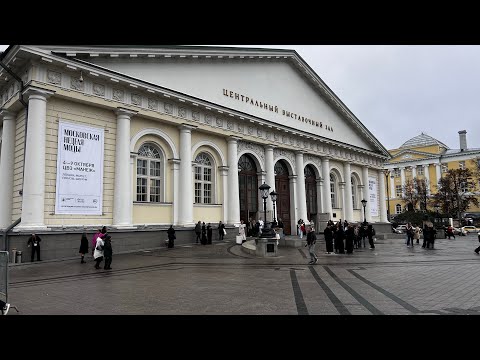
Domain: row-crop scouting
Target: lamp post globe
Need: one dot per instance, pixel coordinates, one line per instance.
(273, 196)
(364, 204)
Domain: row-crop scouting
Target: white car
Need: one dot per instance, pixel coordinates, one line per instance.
(470, 229)
(400, 229)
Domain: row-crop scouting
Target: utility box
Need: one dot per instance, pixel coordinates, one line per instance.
(18, 257)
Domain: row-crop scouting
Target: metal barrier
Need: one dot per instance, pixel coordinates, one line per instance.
(5, 306)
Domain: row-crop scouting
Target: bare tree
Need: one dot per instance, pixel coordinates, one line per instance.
(409, 194)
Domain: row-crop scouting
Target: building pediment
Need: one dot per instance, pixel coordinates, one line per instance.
(410, 155)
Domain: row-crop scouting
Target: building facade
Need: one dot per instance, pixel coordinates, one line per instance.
(132, 137)
(424, 157)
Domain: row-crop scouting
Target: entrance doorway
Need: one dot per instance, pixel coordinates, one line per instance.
(282, 187)
(248, 188)
(311, 193)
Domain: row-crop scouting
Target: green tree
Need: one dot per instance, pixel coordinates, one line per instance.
(455, 192)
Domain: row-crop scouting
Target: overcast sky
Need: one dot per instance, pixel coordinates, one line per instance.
(399, 91)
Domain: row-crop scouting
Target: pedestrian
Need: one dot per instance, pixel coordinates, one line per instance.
(198, 231)
(107, 251)
(171, 237)
(339, 237)
(356, 232)
(328, 233)
(409, 231)
(204, 234)
(221, 231)
(311, 240)
(450, 232)
(83, 247)
(370, 235)
(209, 234)
(34, 240)
(241, 231)
(426, 236)
(98, 252)
(477, 250)
(94, 239)
(349, 239)
(363, 233)
(416, 234)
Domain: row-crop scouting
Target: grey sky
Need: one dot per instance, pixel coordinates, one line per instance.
(398, 91)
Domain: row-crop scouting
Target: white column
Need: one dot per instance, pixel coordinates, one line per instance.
(327, 201)
(133, 160)
(233, 200)
(402, 179)
(33, 199)
(270, 175)
(319, 183)
(122, 184)
(176, 189)
(342, 192)
(294, 217)
(438, 172)
(185, 213)
(366, 193)
(414, 171)
(348, 210)
(6, 168)
(383, 199)
(427, 177)
(301, 196)
(223, 170)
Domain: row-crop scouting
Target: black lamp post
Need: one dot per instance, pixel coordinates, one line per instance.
(273, 195)
(436, 206)
(364, 204)
(267, 232)
(387, 172)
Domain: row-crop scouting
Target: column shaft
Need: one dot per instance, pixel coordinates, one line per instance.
(366, 193)
(233, 200)
(348, 211)
(327, 201)
(6, 168)
(301, 204)
(383, 199)
(185, 212)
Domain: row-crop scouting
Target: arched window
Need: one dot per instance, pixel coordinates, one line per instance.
(149, 174)
(332, 191)
(354, 191)
(398, 209)
(204, 179)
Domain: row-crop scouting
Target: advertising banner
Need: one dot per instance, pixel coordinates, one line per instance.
(372, 188)
(79, 169)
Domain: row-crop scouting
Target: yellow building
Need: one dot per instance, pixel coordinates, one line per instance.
(425, 158)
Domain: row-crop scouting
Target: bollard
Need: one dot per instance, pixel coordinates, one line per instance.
(19, 257)
(14, 255)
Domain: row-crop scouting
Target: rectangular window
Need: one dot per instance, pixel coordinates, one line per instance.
(396, 172)
(198, 193)
(461, 165)
(198, 173)
(444, 168)
(141, 189)
(155, 168)
(419, 170)
(142, 167)
(154, 190)
(207, 193)
(398, 191)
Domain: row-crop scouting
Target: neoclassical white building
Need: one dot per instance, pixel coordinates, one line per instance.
(174, 135)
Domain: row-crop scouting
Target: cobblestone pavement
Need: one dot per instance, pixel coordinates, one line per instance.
(222, 279)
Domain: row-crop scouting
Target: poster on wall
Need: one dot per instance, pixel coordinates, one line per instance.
(79, 170)
(372, 189)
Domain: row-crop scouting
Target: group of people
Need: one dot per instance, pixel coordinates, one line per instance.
(205, 232)
(341, 238)
(101, 248)
(412, 235)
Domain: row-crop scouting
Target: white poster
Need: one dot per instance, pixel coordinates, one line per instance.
(372, 189)
(79, 170)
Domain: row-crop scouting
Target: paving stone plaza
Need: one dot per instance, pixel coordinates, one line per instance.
(222, 279)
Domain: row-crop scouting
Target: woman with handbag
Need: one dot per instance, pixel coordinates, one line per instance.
(98, 252)
(171, 237)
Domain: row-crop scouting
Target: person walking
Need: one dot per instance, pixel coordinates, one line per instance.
(107, 251)
(94, 239)
(98, 252)
(204, 234)
(83, 247)
(198, 231)
(328, 233)
(416, 234)
(409, 232)
(349, 239)
(311, 240)
(221, 231)
(171, 237)
(450, 232)
(241, 231)
(34, 240)
(209, 234)
(339, 237)
(370, 235)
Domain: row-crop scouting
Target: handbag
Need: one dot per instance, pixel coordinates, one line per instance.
(224, 232)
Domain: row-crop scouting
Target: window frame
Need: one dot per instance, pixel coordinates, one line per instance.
(147, 177)
(200, 184)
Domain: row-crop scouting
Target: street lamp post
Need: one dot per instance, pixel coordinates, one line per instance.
(267, 232)
(436, 206)
(273, 195)
(364, 204)
(387, 172)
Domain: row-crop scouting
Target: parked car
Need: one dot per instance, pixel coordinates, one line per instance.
(470, 229)
(459, 231)
(400, 229)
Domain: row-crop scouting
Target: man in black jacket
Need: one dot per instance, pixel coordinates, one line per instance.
(311, 240)
(34, 243)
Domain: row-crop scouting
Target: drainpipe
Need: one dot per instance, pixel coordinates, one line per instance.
(25, 105)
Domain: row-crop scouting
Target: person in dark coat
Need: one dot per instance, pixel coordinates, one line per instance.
(349, 239)
(339, 236)
(221, 233)
(198, 232)
(204, 234)
(209, 234)
(171, 237)
(328, 233)
(107, 251)
(426, 236)
(83, 247)
(34, 240)
(370, 234)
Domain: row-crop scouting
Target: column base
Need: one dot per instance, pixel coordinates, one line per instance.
(124, 227)
(30, 228)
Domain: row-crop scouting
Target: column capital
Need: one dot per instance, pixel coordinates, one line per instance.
(426, 165)
(319, 181)
(187, 127)
(174, 161)
(270, 146)
(125, 112)
(342, 184)
(326, 158)
(293, 177)
(360, 186)
(300, 152)
(39, 92)
(7, 115)
(436, 164)
(223, 170)
(233, 138)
